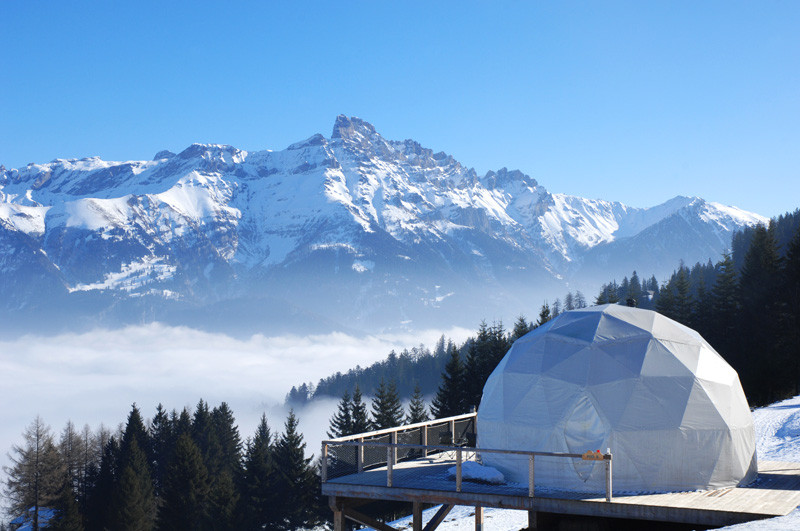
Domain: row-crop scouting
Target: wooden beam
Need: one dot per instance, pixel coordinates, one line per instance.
(478, 518)
(439, 517)
(416, 516)
(368, 521)
(532, 523)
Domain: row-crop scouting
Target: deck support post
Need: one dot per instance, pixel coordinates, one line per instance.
(458, 470)
(478, 518)
(360, 455)
(389, 465)
(438, 518)
(416, 519)
(532, 524)
(530, 477)
(324, 464)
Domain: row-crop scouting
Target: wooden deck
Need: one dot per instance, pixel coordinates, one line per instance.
(775, 493)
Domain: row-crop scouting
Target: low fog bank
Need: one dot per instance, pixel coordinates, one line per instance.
(93, 378)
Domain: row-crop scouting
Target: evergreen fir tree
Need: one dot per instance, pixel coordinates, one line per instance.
(259, 486)
(544, 314)
(724, 319)
(665, 305)
(416, 408)
(635, 289)
(161, 444)
(361, 421)
(791, 315)
(132, 501)
(521, 327)
(67, 515)
(765, 378)
(222, 503)
(99, 499)
(451, 398)
(185, 500)
(387, 412)
(228, 443)
(556, 309)
(569, 302)
(341, 423)
(682, 302)
(296, 497)
(580, 300)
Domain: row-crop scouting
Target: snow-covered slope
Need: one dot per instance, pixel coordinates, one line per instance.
(353, 228)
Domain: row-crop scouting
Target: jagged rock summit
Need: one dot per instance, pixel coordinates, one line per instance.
(353, 229)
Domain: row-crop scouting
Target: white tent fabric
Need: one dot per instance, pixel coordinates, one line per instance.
(671, 410)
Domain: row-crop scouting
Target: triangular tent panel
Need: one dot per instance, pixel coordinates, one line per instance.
(671, 410)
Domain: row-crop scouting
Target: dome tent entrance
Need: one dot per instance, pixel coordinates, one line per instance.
(671, 410)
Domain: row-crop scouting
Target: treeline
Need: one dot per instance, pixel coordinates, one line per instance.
(460, 383)
(179, 471)
(418, 367)
(746, 305)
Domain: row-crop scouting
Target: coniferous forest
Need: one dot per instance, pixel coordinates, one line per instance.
(176, 471)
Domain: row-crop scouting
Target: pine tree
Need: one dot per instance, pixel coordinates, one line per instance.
(451, 397)
(556, 309)
(544, 314)
(724, 319)
(521, 327)
(341, 423)
(416, 408)
(765, 378)
(569, 301)
(161, 444)
(67, 515)
(635, 289)
(36, 474)
(791, 315)
(361, 421)
(665, 305)
(580, 300)
(99, 499)
(185, 500)
(297, 496)
(259, 486)
(132, 501)
(387, 412)
(682, 302)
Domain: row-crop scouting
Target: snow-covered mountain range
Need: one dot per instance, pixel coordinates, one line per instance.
(349, 231)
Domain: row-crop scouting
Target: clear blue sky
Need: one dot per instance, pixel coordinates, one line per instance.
(631, 101)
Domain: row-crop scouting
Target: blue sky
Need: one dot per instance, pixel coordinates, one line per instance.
(631, 101)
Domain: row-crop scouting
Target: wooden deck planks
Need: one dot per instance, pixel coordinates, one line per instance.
(776, 493)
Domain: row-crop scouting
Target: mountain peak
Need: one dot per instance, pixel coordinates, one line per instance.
(347, 128)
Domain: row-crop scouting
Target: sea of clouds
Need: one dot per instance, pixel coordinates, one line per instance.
(94, 378)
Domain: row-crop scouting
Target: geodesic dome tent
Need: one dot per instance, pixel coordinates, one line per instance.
(671, 410)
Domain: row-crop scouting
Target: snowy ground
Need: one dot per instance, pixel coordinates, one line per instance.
(778, 439)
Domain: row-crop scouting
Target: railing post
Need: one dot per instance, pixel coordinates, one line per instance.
(394, 448)
(360, 455)
(389, 466)
(452, 425)
(530, 477)
(458, 470)
(424, 441)
(324, 471)
(608, 477)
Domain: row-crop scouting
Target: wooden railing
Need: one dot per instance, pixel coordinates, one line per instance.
(362, 440)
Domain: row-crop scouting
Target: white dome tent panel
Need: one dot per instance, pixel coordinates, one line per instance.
(670, 408)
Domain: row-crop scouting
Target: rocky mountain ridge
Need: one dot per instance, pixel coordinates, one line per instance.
(352, 231)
